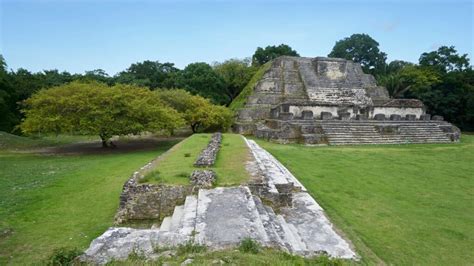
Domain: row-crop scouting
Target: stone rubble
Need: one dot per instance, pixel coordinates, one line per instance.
(203, 178)
(209, 154)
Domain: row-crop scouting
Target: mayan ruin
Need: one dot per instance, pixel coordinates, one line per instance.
(331, 101)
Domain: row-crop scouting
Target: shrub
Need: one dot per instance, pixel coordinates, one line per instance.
(63, 256)
(248, 245)
(187, 154)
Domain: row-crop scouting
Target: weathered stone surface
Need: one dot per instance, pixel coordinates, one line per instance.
(285, 116)
(307, 115)
(208, 156)
(326, 116)
(410, 117)
(395, 117)
(425, 117)
(344, 116)
(203, 178)
(379, 117)
(117, 243)
(437, 118)
(149, 201)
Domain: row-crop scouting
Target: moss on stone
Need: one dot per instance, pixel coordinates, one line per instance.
(240, 101)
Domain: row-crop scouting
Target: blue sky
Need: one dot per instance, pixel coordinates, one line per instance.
(84, 35)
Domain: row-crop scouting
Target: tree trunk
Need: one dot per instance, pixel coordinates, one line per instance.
(104, 141)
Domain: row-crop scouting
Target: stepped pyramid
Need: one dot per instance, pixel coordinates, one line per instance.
(332, 101)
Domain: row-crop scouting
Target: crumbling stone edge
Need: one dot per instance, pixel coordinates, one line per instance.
(208, 156)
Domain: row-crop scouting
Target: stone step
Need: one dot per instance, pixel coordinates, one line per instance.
(270, 225)
(386, 136)
(388, 142)
(176, 217)
(166, 224)
(188, 221)
(314, 228)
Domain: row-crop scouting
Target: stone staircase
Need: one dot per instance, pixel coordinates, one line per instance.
(221, 217)
(382, 132)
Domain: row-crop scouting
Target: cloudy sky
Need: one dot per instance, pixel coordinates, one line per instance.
(84, 35)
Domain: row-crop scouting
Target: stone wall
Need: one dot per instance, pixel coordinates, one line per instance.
(148, 201)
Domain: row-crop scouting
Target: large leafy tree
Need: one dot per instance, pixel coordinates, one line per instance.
(236, 74)
(197, 111)
(152, 74)
(94, 108)
(263, 55)
(363, 49)
(201, 79)
(445, 59)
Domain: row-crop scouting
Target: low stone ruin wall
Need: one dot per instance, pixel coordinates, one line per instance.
(139, 202)
(209, 154)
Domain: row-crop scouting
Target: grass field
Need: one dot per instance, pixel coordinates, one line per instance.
(54, 201)
(176, 165)
(403, 204)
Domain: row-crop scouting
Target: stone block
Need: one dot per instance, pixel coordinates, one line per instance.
(410, 117)
(274, 112)
(312, 138)
(437, 118)
(307, 115)
(379, 117)
(425, 117)
(344, 116)
(286, 116)
(307, 129)
(361, 117)
(395, 117)
(326, 116)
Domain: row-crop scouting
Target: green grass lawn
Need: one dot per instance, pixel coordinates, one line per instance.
(176, 165)
(53, 201)
(403, 204)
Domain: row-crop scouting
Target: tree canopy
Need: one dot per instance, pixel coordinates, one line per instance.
(363, 49)
(236, 74)
(445, 59)
(198, 112)
(263, 55)
(93, 108)
(201, 79)
(152, 74)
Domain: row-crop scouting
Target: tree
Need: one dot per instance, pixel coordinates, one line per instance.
(201, 79)
(236, 74)
(445, 59)
(409, 77)
(152, 74)
(197, 111)
(396, 65)
(261, 56)
(92, 108)
(8, 118)
(363, 49)
(98, 75)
